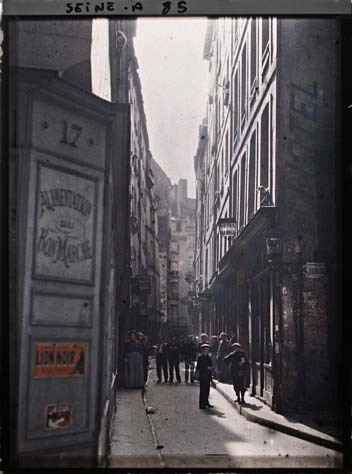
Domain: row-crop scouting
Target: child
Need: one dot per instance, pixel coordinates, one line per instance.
(204, 368)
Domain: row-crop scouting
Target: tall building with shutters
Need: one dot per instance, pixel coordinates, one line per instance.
(269, 166)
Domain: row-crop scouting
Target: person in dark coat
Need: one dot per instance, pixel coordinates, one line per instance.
(144, 341)
(213, 352)
(238, 365)
(161, 361)
(204, 368)
(173, 356)
(203, 339)
(223, 351)
(189, 356)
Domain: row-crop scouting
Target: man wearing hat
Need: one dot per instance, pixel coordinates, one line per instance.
(204, 368)
(238, 365)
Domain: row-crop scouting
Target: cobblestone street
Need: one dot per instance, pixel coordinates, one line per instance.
(181, 435)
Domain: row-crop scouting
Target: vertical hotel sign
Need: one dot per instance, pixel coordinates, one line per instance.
(65, 225)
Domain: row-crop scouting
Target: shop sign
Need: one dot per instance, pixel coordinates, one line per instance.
(227, 227)
(58, 416)
(59, 360)
(314, 269)
(65, 222)
(143, 283)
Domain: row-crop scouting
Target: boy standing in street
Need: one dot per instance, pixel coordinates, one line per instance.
(204, 368)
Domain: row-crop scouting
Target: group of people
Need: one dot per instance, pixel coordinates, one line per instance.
(203, 359)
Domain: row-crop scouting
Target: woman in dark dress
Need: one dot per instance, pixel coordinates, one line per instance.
(134, 370)
(238, 365)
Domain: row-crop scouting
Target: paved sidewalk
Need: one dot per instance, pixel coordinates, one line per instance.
(132, 443)
(257, 411)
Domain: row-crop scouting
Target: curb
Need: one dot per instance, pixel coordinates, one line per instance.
(290, 430)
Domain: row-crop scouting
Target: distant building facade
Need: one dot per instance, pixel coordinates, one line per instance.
(181, 259)
(145, 276)
(269, 167)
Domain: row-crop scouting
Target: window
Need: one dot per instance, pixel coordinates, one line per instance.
(227, 158)
(265, 41)
(222, 164)
(243, 83)
(178, 227)
(234, 195)
(242, 190)
(235, 107)
(174, 247)
(264, 148)
(251, 176)
(174, 265)
(235, 31)
(253, 53)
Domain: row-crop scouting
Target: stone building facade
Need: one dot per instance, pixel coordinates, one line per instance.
(145, 276)
(181, 259)
(69, 279)
(269, 166)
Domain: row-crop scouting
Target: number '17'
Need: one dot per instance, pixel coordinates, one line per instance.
(70, 133)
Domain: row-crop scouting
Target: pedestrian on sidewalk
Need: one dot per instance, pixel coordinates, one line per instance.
(213, 352)
(238, 365)
(144, 342)
(204, 369)
(189, 356)
(133, 358)
(223, 351)
(161, 361)
(173, 356)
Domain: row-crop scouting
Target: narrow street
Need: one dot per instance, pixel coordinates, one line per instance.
(179, 435)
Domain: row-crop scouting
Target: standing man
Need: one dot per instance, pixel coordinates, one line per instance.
(205, 368)
(189, 355)
(223, 350)
(238, 364)
(173, 355)
(203, 339)
(144, 341)
(161, 361)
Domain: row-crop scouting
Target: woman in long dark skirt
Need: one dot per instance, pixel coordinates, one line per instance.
(134, 366)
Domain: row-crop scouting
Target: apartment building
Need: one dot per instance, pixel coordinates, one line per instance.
(145, 276)
(268, 170)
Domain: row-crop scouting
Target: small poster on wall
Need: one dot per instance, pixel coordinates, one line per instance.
(58, 416)
(59, 359)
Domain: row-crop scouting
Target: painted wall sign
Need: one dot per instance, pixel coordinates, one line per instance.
(227, 227)
(64, 244)
(59, 360)
(58, 416)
